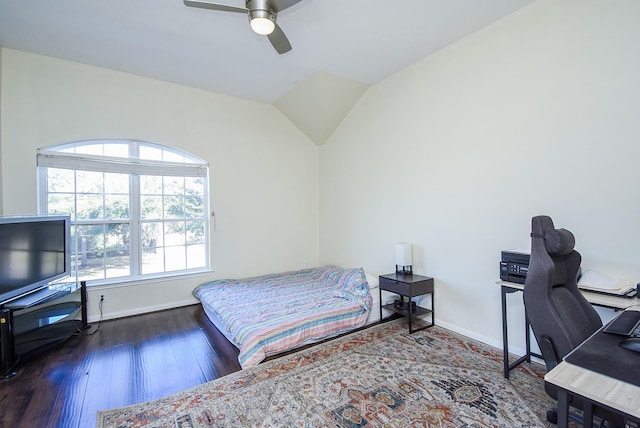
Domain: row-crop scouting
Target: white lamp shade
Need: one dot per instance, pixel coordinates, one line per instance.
(404, 256)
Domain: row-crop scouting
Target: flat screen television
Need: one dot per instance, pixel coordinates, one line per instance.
(34, 251)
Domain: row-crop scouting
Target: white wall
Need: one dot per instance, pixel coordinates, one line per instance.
(263, 170)
(534, 114)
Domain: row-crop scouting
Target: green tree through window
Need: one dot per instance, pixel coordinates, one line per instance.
(137, 208)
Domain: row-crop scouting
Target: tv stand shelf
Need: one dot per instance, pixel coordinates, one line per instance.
(29, 325)
(41, 296)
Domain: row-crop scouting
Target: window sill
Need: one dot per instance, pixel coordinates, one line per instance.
(104, 284)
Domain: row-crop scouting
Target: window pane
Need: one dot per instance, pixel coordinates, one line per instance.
(117, 250)
(116, 149)
(153, 262)
(175, 258)
(174, 233)
(61, 204)
(195, 232)
(151, 184)
(151, 236)
(90, 247)
(150, 153)
(116, 183)
(194, 206)
(153, 248)
(61, 180)
(172, 157)
(173, 207)
(103, 251)
(89, 206)
(90, 182)
(194, 185)
(151, 207)
(116, 207)
(90, 149)
(196, 256)
(173, 185)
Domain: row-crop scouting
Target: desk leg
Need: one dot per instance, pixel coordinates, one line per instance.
(433, 309)
(527, 335)
(505, 340)
(380, 292)
(563, 408)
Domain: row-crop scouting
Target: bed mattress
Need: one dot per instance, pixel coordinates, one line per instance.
(270, 314)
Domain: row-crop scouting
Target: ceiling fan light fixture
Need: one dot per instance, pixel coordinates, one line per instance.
(263, 22)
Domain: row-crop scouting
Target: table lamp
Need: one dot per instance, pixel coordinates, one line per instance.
(404, 258)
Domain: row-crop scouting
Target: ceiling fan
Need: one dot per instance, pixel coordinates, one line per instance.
(262, 17)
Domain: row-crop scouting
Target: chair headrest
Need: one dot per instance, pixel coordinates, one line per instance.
(559, 241)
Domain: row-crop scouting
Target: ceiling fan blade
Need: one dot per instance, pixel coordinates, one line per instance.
(214, 6)
(280, 5)
(279, 40)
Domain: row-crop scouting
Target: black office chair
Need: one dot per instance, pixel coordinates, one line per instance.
(560, 316)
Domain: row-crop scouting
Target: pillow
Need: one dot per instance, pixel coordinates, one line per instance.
(372, 280)
(559, 241)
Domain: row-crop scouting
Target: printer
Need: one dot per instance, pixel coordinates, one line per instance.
(514, 265)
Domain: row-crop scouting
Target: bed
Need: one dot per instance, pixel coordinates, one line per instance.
(270, 314)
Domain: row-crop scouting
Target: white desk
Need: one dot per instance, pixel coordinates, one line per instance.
(597, 299)
(596, 389)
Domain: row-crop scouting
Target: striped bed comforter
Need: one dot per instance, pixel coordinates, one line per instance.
(270, 314)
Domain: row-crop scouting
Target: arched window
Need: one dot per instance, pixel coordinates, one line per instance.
(137, 209)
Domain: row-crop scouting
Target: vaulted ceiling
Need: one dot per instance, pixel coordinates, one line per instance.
(340, 47)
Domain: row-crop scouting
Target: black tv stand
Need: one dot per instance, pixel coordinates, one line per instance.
(37, 322)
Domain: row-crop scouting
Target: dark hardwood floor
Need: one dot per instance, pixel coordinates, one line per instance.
(118, 363)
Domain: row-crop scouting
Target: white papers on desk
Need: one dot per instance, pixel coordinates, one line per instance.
(596, 281)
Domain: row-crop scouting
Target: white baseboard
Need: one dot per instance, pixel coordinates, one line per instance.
(488, 341)
(476, 336)
(140, 311)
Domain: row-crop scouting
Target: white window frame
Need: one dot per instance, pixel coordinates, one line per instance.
(58, 156)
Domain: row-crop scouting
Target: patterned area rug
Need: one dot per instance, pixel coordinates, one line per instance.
(378, 377)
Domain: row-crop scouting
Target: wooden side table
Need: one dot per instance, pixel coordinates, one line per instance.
(408, 286)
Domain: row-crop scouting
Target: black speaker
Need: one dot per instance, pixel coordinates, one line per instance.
(401, 304)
